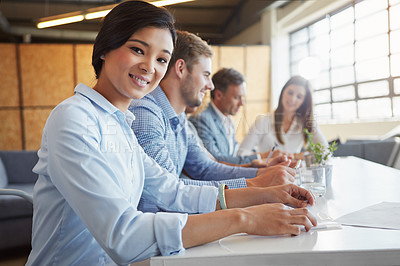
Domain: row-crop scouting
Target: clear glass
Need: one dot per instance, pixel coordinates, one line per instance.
(395, 41)
(299, 52)
(393, 2)
(342, 18)
(396, 106)
(395, 17)
(372, 25)
(321, 82)
(368, 7)
(309, 67)
(322, 96)
(320, 45)
(323, 112)
(294, 69)
(396, 84)
(342, 36)
(343, 56)
(374, 108)
(344, 110)
(342, 76)
(395, 65)
(343, 93)
(319, 28)
(299, 37)
(372, 69)
(314, 179)
(325, 61)
(377, 46)
(373, 89)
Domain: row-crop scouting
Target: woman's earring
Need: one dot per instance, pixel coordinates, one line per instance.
(102, 57)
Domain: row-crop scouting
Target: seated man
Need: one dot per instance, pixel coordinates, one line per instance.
(215, 125)
(160, 125)
(192, 129)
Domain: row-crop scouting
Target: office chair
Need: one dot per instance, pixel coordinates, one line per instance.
(16, 192)
(394, 159)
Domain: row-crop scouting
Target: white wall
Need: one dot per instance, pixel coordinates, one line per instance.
(273, 29)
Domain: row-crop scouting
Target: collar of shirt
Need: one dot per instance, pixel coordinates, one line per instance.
(102, 102)
(177, 122)
(295, 127)
(227, 121)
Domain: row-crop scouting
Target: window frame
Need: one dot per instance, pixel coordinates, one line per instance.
(357, 98)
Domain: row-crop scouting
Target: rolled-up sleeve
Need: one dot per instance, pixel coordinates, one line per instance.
(168, 231)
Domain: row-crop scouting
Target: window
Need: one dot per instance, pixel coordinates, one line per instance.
(358, 50)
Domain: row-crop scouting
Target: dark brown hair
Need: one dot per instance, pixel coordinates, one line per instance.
(225, 77)
(305, 111)
(123, 21)
(189, 47)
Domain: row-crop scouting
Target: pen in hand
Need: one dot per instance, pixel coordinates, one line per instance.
(297, 165)
(269, 155)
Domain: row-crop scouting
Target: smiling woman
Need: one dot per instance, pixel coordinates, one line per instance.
(134, 69)
(92, 171)
(284, 128)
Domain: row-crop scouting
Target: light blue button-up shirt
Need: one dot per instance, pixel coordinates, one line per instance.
(92, 173)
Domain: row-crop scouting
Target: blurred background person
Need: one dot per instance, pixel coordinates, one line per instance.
(215, 125)
(284, 129)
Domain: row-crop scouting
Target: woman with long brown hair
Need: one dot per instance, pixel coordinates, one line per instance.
(285, 128)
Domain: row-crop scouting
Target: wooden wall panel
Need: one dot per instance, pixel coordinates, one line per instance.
(233, 56)
(47, 73)
(9, 91)
(34, 119)
(215, 59)
(240, 120)
(252, 111)
(257, 72)
(83, 65)
(10, 130)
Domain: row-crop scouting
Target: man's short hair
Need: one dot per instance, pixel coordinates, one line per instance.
(225, 77)
(189, 47)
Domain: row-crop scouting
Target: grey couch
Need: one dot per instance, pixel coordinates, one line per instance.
(380, 151)
(16, 212)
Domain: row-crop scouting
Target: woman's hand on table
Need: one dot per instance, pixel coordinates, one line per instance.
(276, 219)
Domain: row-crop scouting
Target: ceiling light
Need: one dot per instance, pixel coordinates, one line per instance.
(51, 22)
(169, 2)
(98, 14)
(92, 13)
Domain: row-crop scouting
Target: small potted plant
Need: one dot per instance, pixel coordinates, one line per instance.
(319, 155)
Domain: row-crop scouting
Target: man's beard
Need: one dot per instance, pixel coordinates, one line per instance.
(188, 94)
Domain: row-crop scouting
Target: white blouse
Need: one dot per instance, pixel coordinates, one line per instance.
(261, 137)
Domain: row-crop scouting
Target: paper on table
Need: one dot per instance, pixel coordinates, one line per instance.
(325, 222)
(383, 215)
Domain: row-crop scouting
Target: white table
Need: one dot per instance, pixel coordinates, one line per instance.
(356, 184)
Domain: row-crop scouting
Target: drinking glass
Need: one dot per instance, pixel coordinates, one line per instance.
(314, 179)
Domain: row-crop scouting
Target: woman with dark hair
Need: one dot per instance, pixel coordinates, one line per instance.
(285, 129)
(92, 171)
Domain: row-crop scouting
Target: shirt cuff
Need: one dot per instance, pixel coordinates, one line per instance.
(248, 172)
(208, 199)
(168, 231)
(235, 183)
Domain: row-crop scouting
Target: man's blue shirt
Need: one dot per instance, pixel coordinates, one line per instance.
(165, 137)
